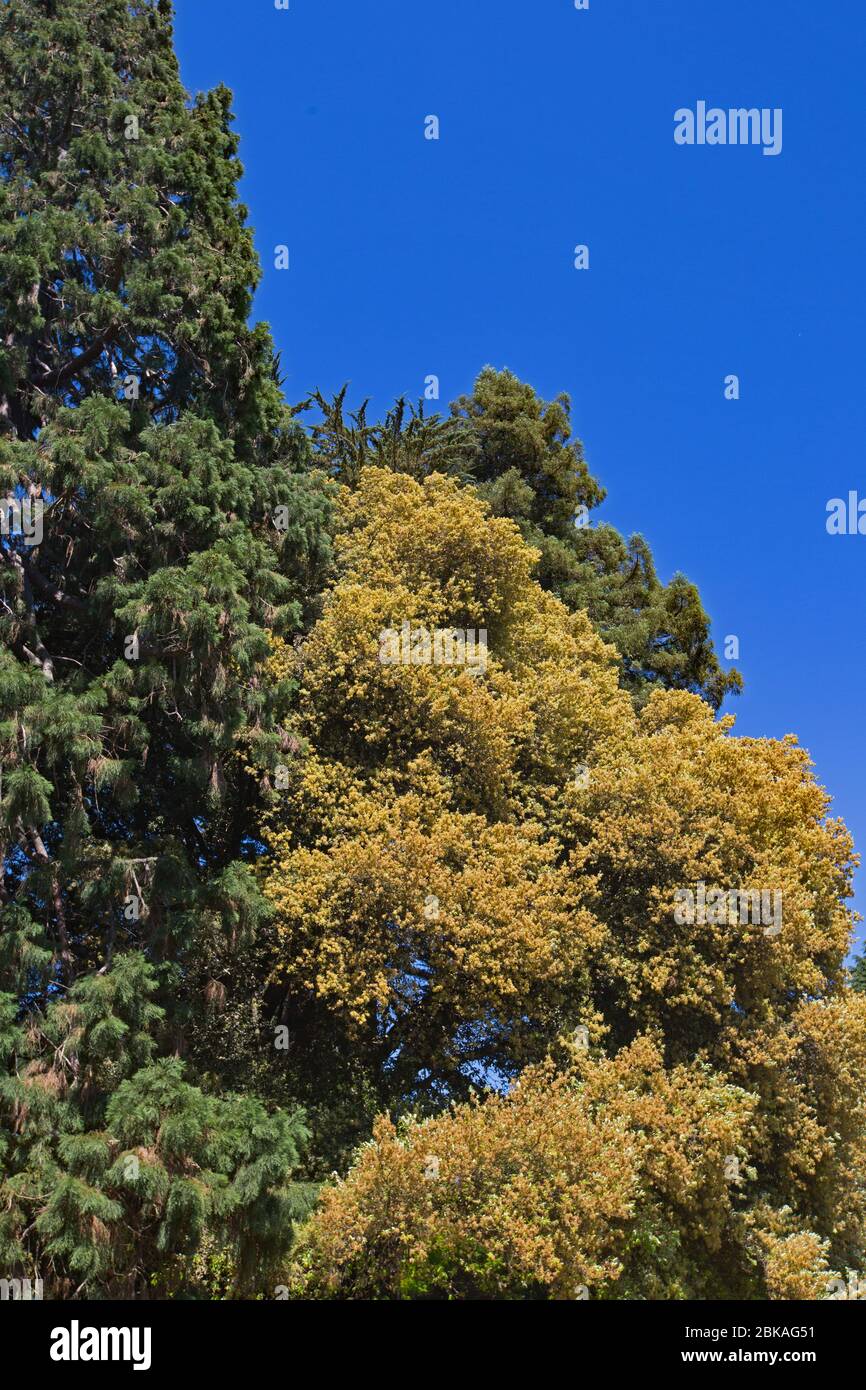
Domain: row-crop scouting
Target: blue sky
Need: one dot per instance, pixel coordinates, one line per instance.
(411, 256)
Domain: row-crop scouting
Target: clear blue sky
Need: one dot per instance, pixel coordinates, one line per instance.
(410, 256)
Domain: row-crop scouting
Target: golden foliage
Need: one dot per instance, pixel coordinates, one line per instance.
(537, 1194)
(469, 865)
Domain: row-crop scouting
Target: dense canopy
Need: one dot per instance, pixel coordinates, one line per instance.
(387, 910)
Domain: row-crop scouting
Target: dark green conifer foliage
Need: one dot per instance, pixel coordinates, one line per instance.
(531, 468)
(119, 1165)
(179, 521)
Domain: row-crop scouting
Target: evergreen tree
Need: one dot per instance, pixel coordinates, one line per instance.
(530, 468)
(160, 518)
(118, 1165)
(408, 440)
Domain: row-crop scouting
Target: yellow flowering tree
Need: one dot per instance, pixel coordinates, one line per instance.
(487, 868)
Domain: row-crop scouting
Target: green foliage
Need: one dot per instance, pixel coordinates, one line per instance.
(532, 470)
(117, 1164)
(133, 733)
(182, 524)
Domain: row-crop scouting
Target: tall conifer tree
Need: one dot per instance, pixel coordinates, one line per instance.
(160, 516)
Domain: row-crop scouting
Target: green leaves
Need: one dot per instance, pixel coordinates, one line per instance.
(529, 468)
(26, 798)
(133, 1163)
